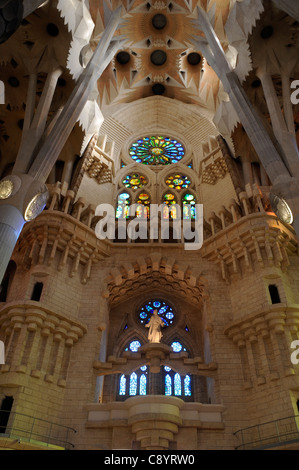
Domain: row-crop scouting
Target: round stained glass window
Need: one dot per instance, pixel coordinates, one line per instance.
(178, 182)
(134, 181)
(157, 151)
(164, 311)
(133, 346)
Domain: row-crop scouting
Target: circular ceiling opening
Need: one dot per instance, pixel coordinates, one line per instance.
(158, 89)
(267, 32)
(158, 57)
(52, 30)
(123, 57)
(159, 21)
(194, 58)
(14, 82)
(256, 83)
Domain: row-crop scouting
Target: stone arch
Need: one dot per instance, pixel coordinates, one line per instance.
(155, 270)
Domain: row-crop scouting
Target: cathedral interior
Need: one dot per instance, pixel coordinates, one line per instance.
(133, 338)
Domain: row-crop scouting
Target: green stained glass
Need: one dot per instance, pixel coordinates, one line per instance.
(189, 209)
(178, 182)
(134, 181)
(157, 150)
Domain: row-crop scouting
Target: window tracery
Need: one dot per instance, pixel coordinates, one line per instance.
(156, 150)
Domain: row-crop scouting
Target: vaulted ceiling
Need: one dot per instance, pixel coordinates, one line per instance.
(158, 58)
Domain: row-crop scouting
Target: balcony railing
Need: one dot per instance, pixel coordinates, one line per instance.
(280, 432)
(35, 431)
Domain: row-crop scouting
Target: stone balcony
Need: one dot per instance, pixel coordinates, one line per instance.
(155, 421)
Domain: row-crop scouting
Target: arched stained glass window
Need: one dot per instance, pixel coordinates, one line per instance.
(142, 385)
(170, 208)
(133, 384)
(165, 311)
(122, 385)
(157, 150)
(168, 385)
(143, 202)
(123, 206)
(187, 386)
(134, 181)
(177, 385)
(178, 182)
(189, 208)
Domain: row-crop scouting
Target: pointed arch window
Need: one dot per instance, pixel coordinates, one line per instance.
(170, 208)
(123, 205)
(189, 208)
(176, 384)
(143, 205)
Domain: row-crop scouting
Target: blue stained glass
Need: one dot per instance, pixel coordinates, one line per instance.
(133, 384)
(167, 369)
(168, 385)
(164, 311)
(177, 385)
(134, 345)
(176, 346)
(122, 385)
(187, 386)
(169, 315)
(143, 368)
(142, 386)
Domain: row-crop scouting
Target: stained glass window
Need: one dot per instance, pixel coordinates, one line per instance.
(142, 385)
(177, 347)
(133, 384)
(189, 209)
(165, 311)
(187, 386)
(134, 181)
(122, 385)
(157, 150)
(134, 346)
(178, 182)
(177, 385)
(123, 206)
(169, 200)
(143, 202)
(168, 385)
